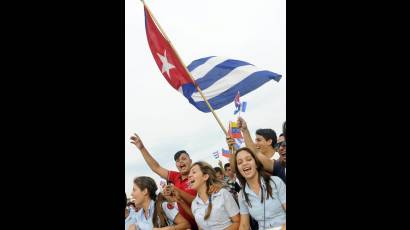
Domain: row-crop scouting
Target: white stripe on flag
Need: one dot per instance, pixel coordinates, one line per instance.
(232, 78)
(203, 69)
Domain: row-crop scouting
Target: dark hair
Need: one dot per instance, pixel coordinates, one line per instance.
(227, 165)
(125, 199)
(261, 174)
(131, 204)
(144, 182)
(268, 134)
(284, 129)
(218, 170)
(212, 179)
(179, 153)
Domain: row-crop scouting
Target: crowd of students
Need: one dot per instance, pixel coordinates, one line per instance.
(249, 192)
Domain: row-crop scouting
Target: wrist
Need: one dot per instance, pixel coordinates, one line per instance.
(179, 199)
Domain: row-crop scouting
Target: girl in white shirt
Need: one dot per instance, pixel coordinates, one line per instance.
(130, 219)
(262, 196)
(155, 212)
(212, 211)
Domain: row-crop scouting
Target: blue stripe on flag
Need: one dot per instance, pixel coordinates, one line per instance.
(235, 130)
(225, 151)
(250, 83)
(197, 63)
(244, 106)
(218, 72)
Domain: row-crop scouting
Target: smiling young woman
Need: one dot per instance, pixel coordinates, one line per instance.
(263, 196)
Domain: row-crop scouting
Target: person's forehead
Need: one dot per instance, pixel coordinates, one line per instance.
(183, 155)
(194, 168)
(243, 154)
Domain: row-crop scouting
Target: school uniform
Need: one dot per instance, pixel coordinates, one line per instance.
(223, 207)
(143, 223)
(270, 213)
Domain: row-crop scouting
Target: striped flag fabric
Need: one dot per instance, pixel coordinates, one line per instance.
(234, 131)
(221, 78)
(226, 153)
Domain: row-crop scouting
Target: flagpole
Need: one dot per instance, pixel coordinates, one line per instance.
(189, 74)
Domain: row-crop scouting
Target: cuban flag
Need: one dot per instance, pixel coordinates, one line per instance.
(237, 100)
(239, 106)
(165, 57)
(219, 78)
(238, 142)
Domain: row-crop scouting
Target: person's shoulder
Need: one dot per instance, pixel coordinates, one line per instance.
(276, 179)
(223, 191)
(173, 174)
(195, 203)
(132, 217)
(132, 211)
(277, 163)
(275, 156)
(134, 214)
(277, 166)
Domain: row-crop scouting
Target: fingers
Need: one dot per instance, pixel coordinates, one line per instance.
(135, 137)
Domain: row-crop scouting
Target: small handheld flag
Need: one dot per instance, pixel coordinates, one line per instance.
(234, 131)
(162, 183)
(226, 153)
(215, 154)
(239, 106)
(237, 102)
(238, 142)
(244, 106)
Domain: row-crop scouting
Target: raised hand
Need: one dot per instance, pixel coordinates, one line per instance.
(136, 140)
(242, 123)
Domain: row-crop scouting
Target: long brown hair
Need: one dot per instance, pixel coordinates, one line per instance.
(159, 218)
(261, 174)
(212, 179)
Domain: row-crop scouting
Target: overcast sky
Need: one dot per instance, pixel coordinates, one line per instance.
(251, 31)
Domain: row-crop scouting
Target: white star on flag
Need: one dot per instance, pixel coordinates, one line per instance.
(166, 66)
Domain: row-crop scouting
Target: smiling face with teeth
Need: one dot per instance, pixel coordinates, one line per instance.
(246, 165)
(265, 140)
(183, 163)
(197, 178)
(262, 144)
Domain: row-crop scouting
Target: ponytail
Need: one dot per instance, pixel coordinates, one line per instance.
(159, 218)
